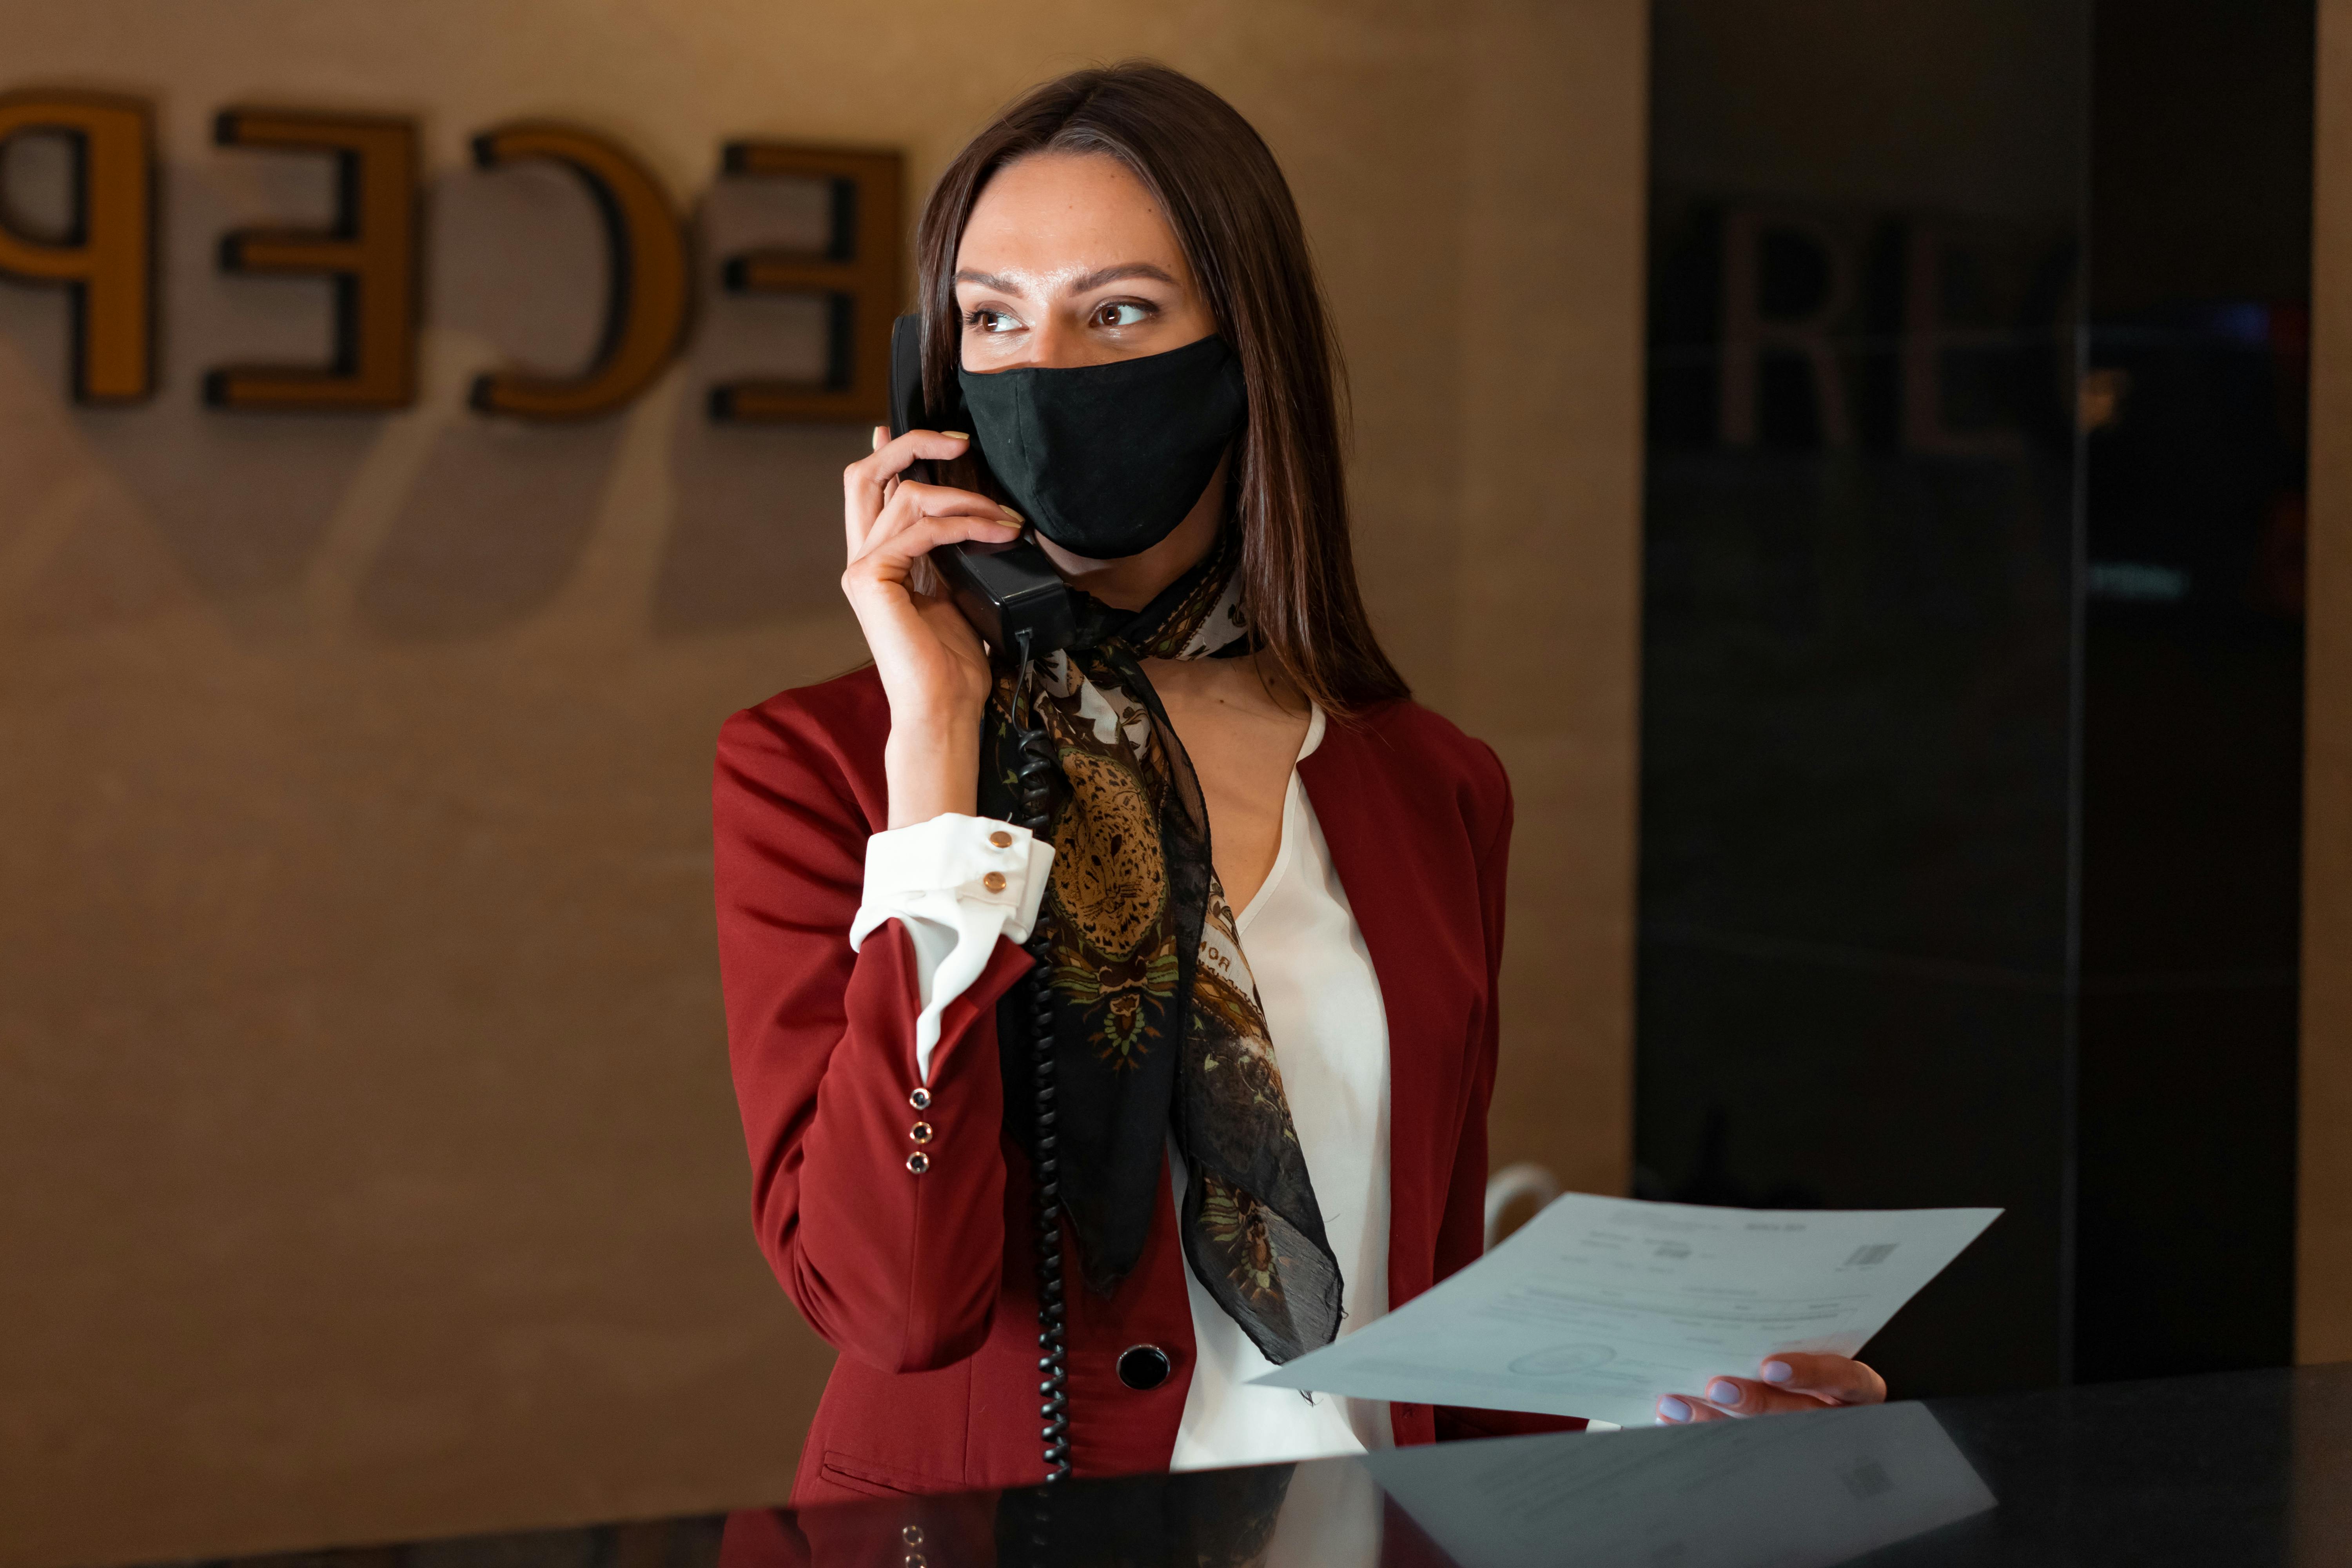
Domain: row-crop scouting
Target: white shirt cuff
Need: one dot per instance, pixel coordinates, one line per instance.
(956, 883)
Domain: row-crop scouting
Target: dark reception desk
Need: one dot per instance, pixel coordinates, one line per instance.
(2239, 1468)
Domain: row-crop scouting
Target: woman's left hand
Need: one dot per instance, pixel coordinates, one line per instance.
(1790, 1381)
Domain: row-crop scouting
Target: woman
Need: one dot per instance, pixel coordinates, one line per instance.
(1246, 1085)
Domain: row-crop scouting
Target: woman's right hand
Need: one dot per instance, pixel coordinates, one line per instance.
(934, 666)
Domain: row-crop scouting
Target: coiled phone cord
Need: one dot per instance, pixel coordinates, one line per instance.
(1034, 775)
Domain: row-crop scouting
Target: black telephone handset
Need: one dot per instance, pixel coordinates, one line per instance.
(1004, 590)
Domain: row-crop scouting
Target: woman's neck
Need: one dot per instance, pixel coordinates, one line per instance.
(1131, 582)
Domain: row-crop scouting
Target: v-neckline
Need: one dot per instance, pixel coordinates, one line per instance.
(1285, 851)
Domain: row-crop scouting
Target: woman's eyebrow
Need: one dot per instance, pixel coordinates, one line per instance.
(1101, 275)
(1080, 285)
(986, 281)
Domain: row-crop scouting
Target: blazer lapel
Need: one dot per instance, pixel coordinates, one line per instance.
(1404, 880)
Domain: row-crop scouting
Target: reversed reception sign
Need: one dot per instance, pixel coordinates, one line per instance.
(102, 248)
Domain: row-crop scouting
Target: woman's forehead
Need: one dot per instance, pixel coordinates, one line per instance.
(1053, 217)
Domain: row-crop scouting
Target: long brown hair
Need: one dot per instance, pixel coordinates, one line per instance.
(1218, 183)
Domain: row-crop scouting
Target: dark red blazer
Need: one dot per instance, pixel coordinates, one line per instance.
(925, 1283)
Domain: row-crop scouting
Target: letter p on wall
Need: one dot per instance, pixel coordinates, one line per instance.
(106, 256)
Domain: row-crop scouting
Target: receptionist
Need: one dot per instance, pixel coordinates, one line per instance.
(1111, 1024)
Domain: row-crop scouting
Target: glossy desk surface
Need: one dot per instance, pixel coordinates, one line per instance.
(2238, 1468)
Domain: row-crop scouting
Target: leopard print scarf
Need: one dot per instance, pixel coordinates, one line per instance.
(1157, 1023)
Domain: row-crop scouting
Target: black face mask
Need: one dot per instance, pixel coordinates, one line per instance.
(1105, 459)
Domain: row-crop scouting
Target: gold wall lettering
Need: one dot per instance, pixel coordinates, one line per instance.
(105, 259)
(856, 273)
(645, 324)
(371, 254)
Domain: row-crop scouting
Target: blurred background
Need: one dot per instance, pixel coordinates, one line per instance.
(1857, 463)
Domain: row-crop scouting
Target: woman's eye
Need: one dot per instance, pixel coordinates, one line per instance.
(991, 321)
(1125, 313)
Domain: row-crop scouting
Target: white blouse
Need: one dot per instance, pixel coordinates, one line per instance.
(1324, 1014)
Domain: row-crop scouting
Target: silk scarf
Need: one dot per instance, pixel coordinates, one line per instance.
(1157, 1029)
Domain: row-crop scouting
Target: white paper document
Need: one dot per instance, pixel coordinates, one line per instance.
(1597, 1306)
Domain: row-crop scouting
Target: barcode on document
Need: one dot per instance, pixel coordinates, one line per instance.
(1876, 1252)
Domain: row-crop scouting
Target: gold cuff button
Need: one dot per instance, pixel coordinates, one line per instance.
(912, 1535)
(921, 1132)
(919, 1161)
(921, 1099)
(993, 881)
(1001, 840)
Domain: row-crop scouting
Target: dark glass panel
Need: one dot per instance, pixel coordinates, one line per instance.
(1859, 635)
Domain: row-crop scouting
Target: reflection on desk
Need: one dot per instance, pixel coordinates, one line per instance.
(1794, 1492)
(2247, 1469)
(1799, 1490)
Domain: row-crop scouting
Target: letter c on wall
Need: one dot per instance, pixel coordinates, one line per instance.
(645, 320)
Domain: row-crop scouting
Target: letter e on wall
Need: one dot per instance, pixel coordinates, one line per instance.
(371, 255)
(857, 274)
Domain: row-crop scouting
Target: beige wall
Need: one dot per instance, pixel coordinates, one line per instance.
(367, 1162)
(1549, 550)
(2324, 1240)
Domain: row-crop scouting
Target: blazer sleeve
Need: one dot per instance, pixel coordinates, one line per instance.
(897, 1266)
(1462, 1228)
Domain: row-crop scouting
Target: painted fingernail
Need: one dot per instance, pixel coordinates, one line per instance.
(957, 435)
(1722, 1393)
(1011, 513)
(1778, 1372)
(1673, 1409)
